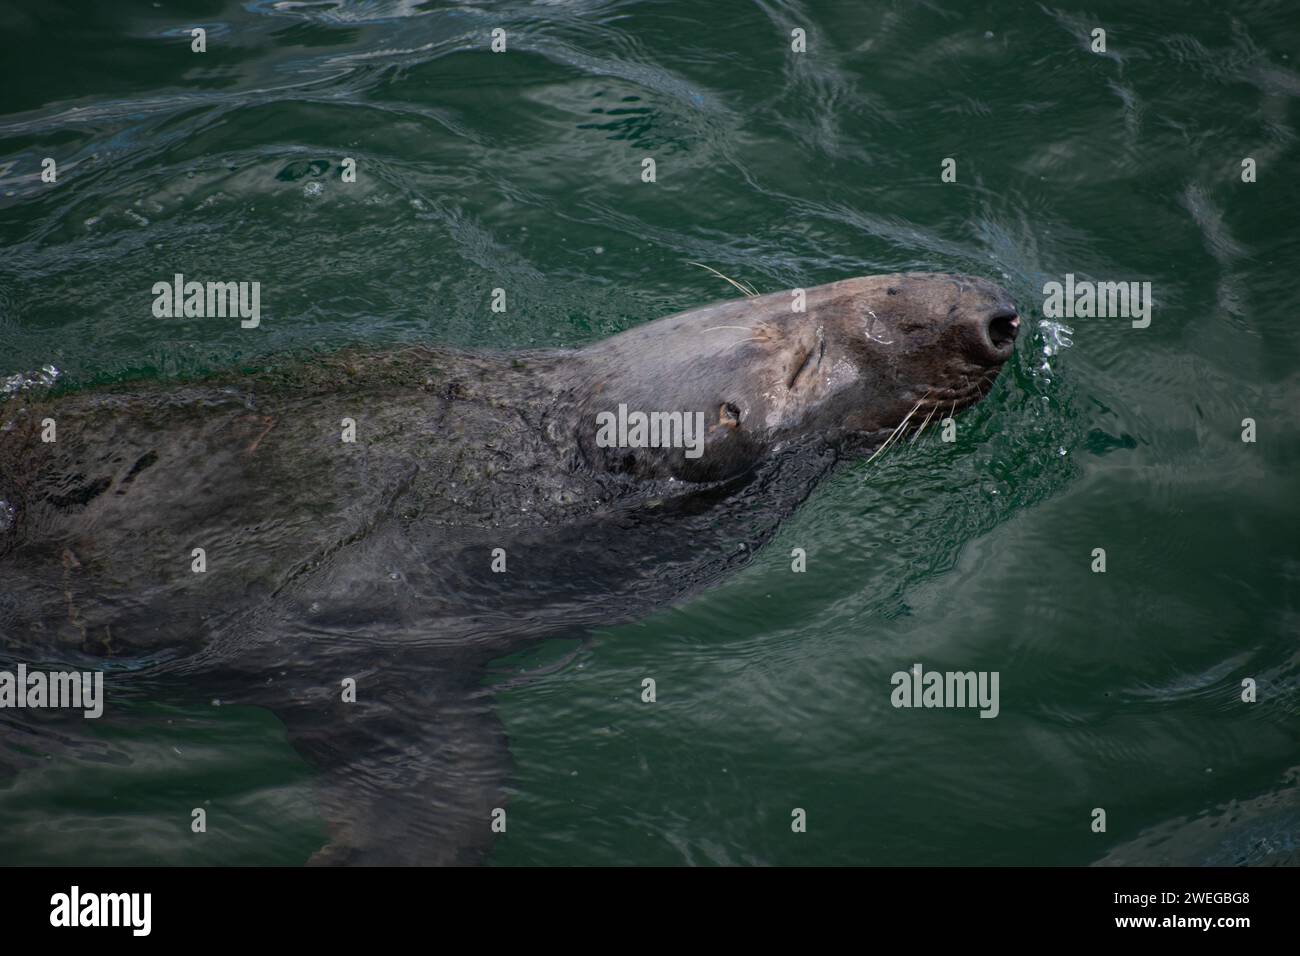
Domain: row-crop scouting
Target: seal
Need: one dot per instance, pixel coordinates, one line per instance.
(403, 517)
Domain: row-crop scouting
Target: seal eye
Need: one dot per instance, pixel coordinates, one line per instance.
(729, 415)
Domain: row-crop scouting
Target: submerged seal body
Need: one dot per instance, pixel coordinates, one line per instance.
(403, 517)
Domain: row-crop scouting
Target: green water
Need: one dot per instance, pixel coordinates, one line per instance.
(522, 171)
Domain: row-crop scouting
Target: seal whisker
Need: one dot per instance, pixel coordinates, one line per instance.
(883, 446)
(899, 429)
(741, 328)
(745, 290)
(885, 443)
(923, 424)
(902, 426)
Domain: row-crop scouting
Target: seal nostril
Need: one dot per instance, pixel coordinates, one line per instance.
(1002, 328)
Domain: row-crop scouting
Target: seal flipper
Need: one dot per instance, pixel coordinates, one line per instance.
(410, 773)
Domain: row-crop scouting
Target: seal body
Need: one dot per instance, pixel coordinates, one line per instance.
(408, 515)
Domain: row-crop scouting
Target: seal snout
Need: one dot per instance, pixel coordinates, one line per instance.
(995, 334)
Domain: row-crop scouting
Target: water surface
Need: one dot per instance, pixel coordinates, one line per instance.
(522, 171)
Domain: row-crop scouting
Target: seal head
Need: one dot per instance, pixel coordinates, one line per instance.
(843, 364)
